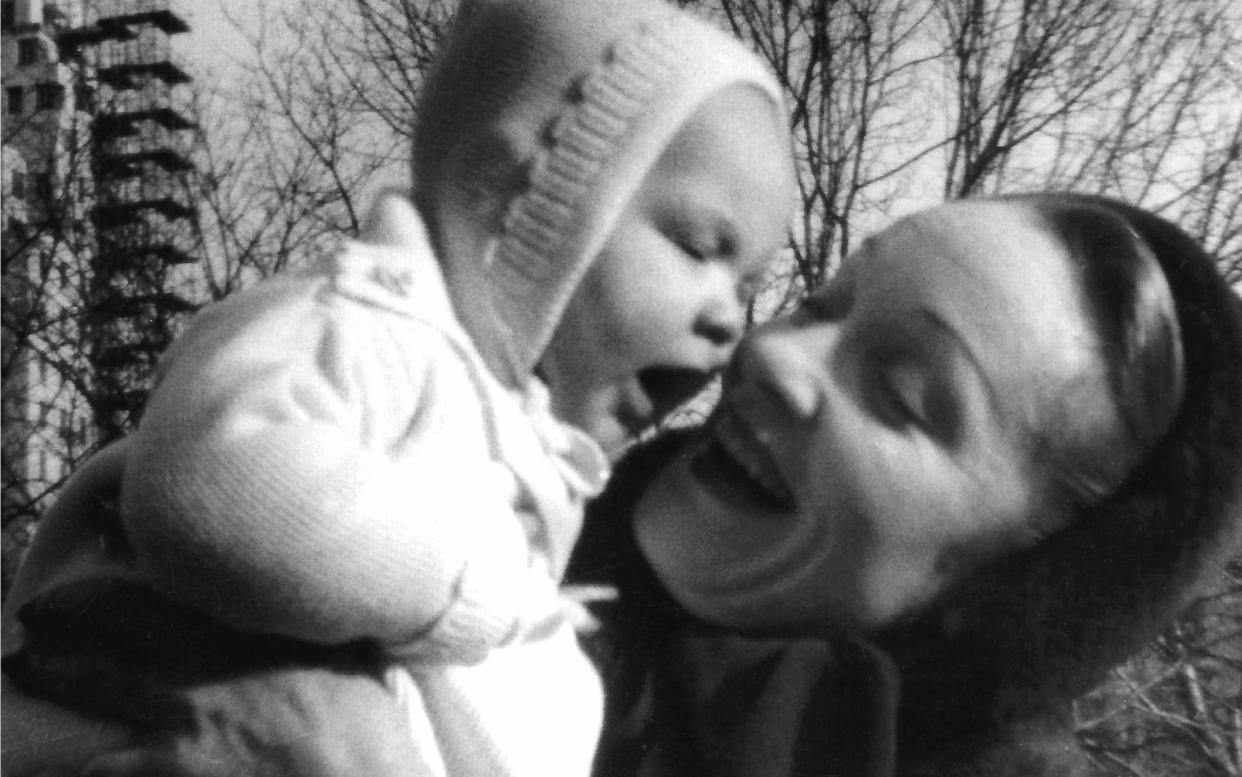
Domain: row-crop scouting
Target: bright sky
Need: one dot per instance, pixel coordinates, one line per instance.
(214, 47)
(213, 44)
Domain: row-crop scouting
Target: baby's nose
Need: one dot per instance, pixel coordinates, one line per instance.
(722, 319)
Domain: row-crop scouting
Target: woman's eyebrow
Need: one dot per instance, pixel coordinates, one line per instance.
(940, 324)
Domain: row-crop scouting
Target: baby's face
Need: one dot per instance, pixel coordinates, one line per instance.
(875, 443)
(665, 302)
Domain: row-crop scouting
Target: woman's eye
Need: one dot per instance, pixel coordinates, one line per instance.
(909, 395)
(904, 394)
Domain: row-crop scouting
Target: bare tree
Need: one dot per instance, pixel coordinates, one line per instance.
(846, 67)
(324, 109)
(1174, 710)
(47, 246)
(895, 104)
(1019, 67)
(1136, 100)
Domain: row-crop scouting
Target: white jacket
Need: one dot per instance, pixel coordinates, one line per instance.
(325, 456)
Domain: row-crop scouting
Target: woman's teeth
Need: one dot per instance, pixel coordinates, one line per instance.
(740, 444)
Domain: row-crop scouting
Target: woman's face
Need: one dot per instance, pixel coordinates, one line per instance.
(874, 443)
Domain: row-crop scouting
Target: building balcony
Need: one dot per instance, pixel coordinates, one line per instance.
(120, 213)
(142, 306)
(161, 13)
(137, 13)
(117, 357)
(127, 122)
(121, 21)
(117, 404)
(130, 75)
(140, 162)
(72, 41)
(137, 255)
(122, 199)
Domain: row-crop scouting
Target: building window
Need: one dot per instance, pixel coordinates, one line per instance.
(43, 187)
(18, 184)
(48, 96)
(82, 98)
(14, 100)
(8, 15)
(27, 51)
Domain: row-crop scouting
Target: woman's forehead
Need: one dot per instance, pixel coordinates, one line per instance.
(976, 256)
(998, 277)
(962, 233)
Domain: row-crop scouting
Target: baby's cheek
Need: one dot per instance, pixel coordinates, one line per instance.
(634, 325)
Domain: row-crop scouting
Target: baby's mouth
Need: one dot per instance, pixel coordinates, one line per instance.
(738, 466)
(668, 388)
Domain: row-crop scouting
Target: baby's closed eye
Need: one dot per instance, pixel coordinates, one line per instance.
(698, 232)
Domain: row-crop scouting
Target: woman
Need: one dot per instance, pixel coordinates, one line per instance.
(873, 557)
(985, 464)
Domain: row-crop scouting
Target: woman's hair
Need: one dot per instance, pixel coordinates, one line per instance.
(1130, 308)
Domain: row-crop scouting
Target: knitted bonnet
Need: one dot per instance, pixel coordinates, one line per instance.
(537, 125)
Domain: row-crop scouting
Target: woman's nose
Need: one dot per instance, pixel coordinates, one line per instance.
(777, 365)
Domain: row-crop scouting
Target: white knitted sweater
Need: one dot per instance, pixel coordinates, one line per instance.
(326, 457)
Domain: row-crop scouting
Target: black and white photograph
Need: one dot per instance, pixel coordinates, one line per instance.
(621, 388)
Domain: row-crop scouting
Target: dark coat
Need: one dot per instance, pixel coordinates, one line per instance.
(982, 682)
(684, 697)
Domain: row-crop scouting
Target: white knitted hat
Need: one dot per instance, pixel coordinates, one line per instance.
(538, 124)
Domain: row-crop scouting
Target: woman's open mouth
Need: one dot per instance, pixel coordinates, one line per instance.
(737, 466)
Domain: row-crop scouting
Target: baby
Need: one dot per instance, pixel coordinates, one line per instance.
(386, 448)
